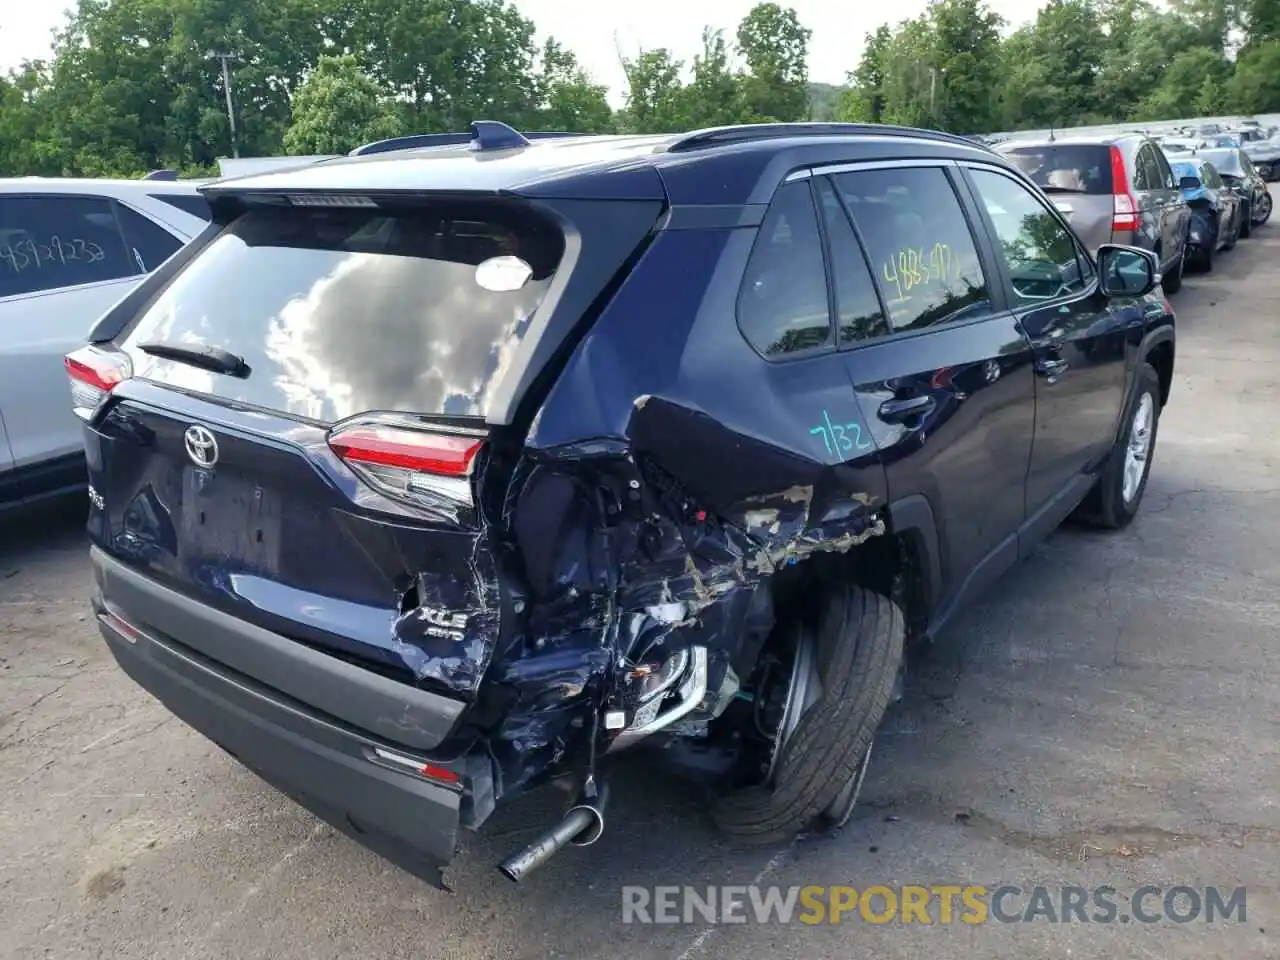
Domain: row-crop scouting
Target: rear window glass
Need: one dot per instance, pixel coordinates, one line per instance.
(1225, 162)
(338, 311)
(1081, 168)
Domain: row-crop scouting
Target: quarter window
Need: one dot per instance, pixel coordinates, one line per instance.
(783, 307)
(921, 249)
(193, 204)
(1039, 253)
(150, 244)
(1166, 172)
(49, 242)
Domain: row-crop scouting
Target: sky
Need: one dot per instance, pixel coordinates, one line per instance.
(597, 30)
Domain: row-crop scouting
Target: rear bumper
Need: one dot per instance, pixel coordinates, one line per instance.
(363, 786)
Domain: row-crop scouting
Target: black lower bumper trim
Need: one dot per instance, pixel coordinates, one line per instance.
(324, 767)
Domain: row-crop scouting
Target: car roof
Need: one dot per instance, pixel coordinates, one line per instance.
(1079, 141)
(726, 165)
(122, 189)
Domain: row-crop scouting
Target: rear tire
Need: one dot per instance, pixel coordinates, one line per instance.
(1114, 500)
(857, 644)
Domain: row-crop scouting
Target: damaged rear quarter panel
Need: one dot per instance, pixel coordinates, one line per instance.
(671, 468)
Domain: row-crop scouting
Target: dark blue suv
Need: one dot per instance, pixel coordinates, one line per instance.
(428, 476)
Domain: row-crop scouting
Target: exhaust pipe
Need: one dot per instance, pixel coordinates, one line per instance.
(581, 826)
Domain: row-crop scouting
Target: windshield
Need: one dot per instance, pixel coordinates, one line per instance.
(1080, 168)
(338, 311)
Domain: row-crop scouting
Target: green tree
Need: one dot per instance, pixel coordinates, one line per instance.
(25, 147)
(1255, 85)
(656, 98)
(775, 48)
(1032, 95)
(1069, 39)
(825, 101)
(1211, 98)
(337, 109)
(713, 97)
(911, 80)
(968, 64)
(1261, 21)
(449, 61)
(1182, 84)
(865, 100)
(567, 98)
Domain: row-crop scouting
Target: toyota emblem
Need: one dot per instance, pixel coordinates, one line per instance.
(201, 446)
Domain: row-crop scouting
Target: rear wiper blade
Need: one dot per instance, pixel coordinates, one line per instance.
(1052, 189)
(214, 359)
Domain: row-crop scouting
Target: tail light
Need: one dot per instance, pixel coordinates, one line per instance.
(1124, 203)
(94, 373)
(406, 462)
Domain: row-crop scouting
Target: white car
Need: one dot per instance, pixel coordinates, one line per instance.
(69, 250)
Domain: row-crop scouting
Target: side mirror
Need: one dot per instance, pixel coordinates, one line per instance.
(1127, 271)
(1189, 183)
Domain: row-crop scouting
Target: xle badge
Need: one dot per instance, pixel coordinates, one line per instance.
(443, 623)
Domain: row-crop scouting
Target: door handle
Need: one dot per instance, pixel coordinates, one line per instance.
(1051, 368)
(895, 411)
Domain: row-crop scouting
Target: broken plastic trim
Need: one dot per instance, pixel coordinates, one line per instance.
(692, 691)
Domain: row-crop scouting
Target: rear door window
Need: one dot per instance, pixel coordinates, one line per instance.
(48, 242)
(783, 308)
(1077, 168)
(922, 252)
(338, 311)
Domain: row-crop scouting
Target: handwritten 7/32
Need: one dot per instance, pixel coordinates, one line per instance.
(840, 438)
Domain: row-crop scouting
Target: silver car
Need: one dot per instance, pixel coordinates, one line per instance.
(69, 250)
(1113, 190)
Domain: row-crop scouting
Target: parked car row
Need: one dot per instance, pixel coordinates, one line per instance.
(1226, 195)
(69, 250)
(1127, 189)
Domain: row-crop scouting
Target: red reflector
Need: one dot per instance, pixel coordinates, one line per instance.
(1124, 204)
(91, 366)
(443, 774)
(443, 453)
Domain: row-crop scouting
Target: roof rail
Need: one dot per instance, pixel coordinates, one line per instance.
(483, 135)
(745, 133)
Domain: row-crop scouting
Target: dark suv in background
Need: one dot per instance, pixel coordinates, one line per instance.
(427, 477)
(1244, 180)
(1112, 190)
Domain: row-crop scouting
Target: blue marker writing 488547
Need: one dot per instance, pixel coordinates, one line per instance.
(836, 436)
